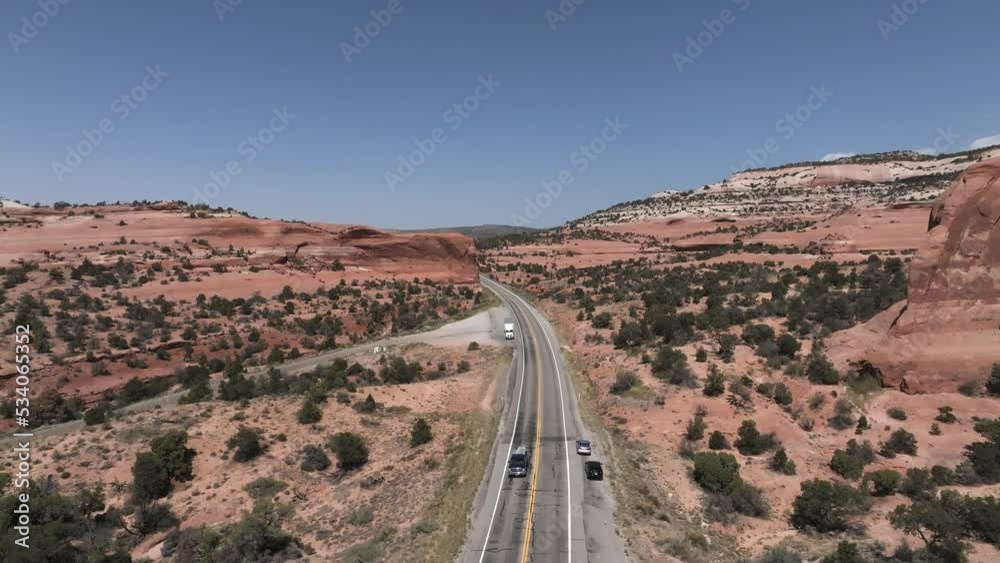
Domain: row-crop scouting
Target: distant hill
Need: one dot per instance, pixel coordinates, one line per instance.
(805, 188)
(479, 231)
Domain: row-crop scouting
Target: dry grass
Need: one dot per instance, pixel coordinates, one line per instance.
(442, 529)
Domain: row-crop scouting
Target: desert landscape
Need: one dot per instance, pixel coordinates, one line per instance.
(202, 333)
(518, 282)
(211, 385)
(750, 368)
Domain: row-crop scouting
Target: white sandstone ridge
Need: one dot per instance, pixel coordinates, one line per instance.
(810, 188)
(11, 204)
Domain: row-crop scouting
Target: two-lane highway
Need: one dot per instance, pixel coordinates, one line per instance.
(553, 514)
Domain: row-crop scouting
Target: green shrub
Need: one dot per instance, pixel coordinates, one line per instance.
(896, 413)
(788, 346)
(362, 516)
(671, 366)
(150, 480)
(778, 554)
(715, 383)
(420, 433)
(919, 483)
(900, 442)
(819, 369)
(719, 475)
(264, 488)
(941, 522)
(701, 355)
(601, 320)
(97, 414)
(846, 465)
(882, 482)
(367, 406)
(970, 388)
(695, 428)
(843, 415)
(246, 444)
(716, 472)
(153, 517)
(749, 501)
(751, 442)
(351, 450)
(624, 381)
(256, 537)
(782, 395)
(309, 413)
(846, 552)
(717, 441)
(172, 451)
(314, 459)
(727, 347)
(984, 457)
(993, 383)
(826, 506)
(946, 415)
(781, 464)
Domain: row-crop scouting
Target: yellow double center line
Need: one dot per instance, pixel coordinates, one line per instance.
(529, 523)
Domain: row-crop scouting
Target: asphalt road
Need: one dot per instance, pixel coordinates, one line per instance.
(554, 514)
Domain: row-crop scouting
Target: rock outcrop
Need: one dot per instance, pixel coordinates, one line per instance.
(948, 329)
(85, 232)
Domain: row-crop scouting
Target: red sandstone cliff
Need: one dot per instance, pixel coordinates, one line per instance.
(948, 329)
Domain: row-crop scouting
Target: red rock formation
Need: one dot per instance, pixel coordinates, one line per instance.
(948, 329)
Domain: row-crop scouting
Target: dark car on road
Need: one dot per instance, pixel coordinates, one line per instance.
(594, 470)
(519, 462)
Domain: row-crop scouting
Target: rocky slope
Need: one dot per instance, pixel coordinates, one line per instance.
(948, 330)
(879, 180)
(45, 234)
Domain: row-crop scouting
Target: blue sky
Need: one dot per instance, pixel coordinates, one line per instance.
(207, 83)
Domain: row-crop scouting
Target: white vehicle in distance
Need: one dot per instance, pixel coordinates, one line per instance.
(583, 446)
(508, 329)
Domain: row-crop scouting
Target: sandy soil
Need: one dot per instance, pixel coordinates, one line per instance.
(322, 501)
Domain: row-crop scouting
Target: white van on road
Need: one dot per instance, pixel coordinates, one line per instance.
(508, 329)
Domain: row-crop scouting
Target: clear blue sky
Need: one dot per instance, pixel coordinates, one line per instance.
(556, 88)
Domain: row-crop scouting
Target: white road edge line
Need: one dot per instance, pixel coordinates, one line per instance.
(562, 405)
(517, 413)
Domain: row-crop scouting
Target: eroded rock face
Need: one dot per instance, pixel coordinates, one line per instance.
(948, 329)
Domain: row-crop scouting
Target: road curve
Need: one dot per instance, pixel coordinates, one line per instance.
(554, 514)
